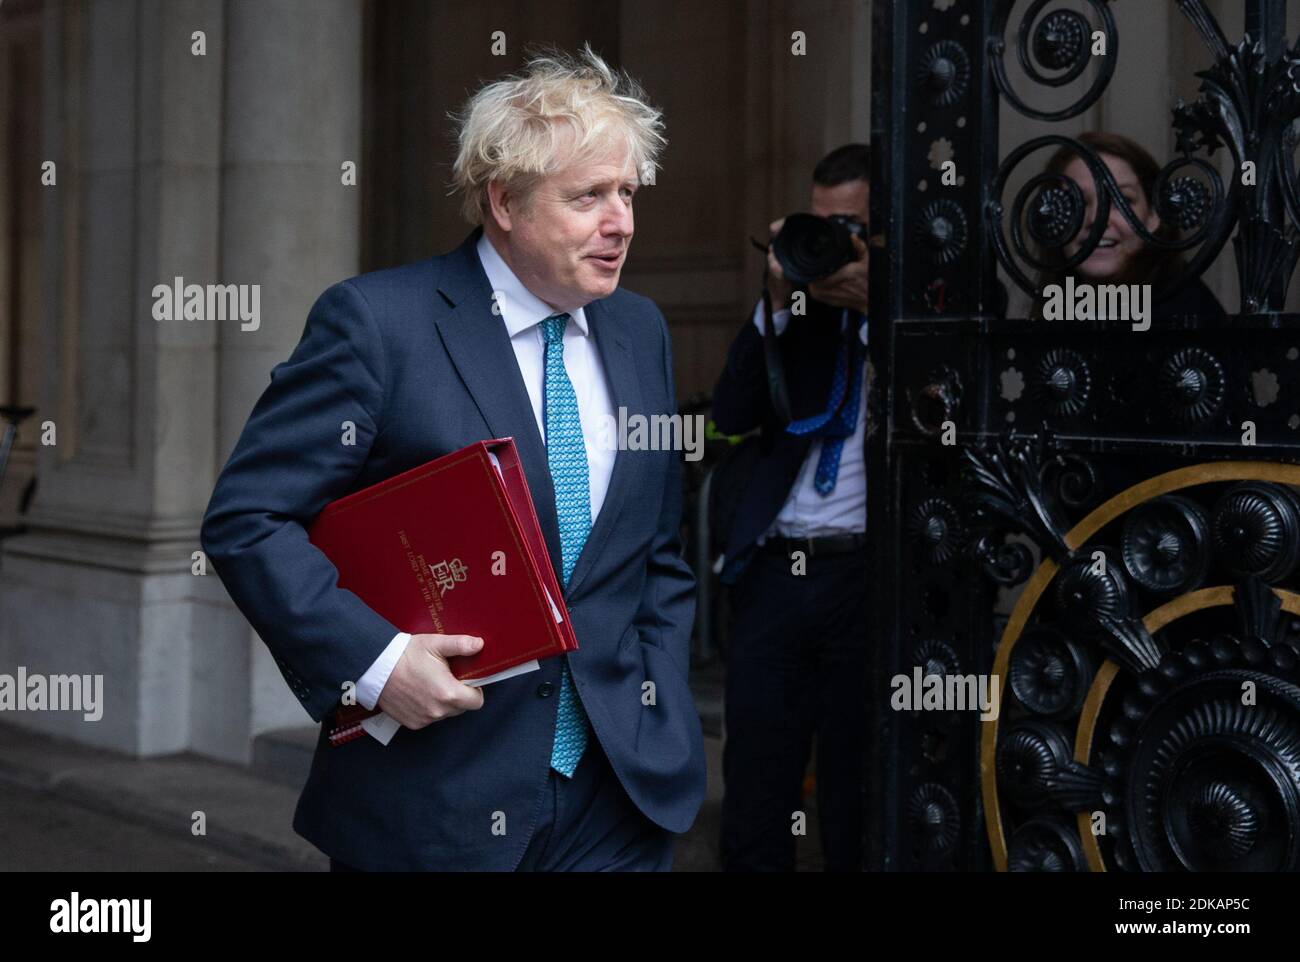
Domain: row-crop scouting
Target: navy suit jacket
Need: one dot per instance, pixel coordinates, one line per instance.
(808, 347)
(416, 359)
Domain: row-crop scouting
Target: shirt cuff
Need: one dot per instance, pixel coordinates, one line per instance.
(373, 681)
(779, 319)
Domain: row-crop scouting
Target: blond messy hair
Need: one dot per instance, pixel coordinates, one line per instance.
(557, 110)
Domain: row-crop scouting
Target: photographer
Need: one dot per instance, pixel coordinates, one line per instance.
(795, 550)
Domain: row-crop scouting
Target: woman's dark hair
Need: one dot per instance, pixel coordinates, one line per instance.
(1150, 265)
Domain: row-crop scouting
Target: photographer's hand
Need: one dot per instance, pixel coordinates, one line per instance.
(847, 287)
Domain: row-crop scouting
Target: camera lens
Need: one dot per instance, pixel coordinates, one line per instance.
(809, 247)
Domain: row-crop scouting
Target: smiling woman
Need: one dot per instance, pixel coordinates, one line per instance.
(1122, 257)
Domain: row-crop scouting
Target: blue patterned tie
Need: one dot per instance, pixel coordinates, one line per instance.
(841, 415)
(566, 454)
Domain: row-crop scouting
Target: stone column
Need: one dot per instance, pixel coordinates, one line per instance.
(101, 585)
(221, 168)
(292, 117)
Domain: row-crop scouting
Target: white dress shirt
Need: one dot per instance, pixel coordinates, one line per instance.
(806, 513)
(522, 312)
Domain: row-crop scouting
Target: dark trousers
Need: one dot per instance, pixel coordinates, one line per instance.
(796, 669)
(587, 823)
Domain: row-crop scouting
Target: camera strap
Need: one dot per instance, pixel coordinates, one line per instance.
(775, 367)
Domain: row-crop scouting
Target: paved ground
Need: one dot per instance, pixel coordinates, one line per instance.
(48, 833)
(151, 801)
(68, 807)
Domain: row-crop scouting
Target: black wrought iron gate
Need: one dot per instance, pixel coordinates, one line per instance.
(1149, 709)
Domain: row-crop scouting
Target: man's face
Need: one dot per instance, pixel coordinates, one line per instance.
(568, 240)
(849, 198)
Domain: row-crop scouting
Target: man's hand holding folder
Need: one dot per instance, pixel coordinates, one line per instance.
(422, 690)
(448, 548)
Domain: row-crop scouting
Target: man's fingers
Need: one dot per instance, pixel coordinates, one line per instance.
(467, 698)
(452, 697)
(454, 646)
(851, 273)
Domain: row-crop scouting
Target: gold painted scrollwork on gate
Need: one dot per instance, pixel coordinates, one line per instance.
(1156, 713)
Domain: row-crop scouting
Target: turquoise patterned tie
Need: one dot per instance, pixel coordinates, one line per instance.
(566, 454)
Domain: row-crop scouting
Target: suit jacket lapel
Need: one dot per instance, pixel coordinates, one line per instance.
(479, 347)
(625, 392)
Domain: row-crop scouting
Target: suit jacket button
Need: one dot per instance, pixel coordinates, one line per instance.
(544, 689)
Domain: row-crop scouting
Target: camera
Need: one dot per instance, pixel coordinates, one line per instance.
(809, 247)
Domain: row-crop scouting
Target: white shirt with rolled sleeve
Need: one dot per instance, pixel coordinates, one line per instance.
(806, 513)
(522, 311)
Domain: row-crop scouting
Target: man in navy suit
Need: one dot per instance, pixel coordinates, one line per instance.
(796, 556)
(595, 760)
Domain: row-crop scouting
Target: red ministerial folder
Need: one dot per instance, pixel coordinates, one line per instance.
(451, 547)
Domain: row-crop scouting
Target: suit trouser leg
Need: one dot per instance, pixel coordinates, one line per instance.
(843, 717)
(589, 824)
(768, 714)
